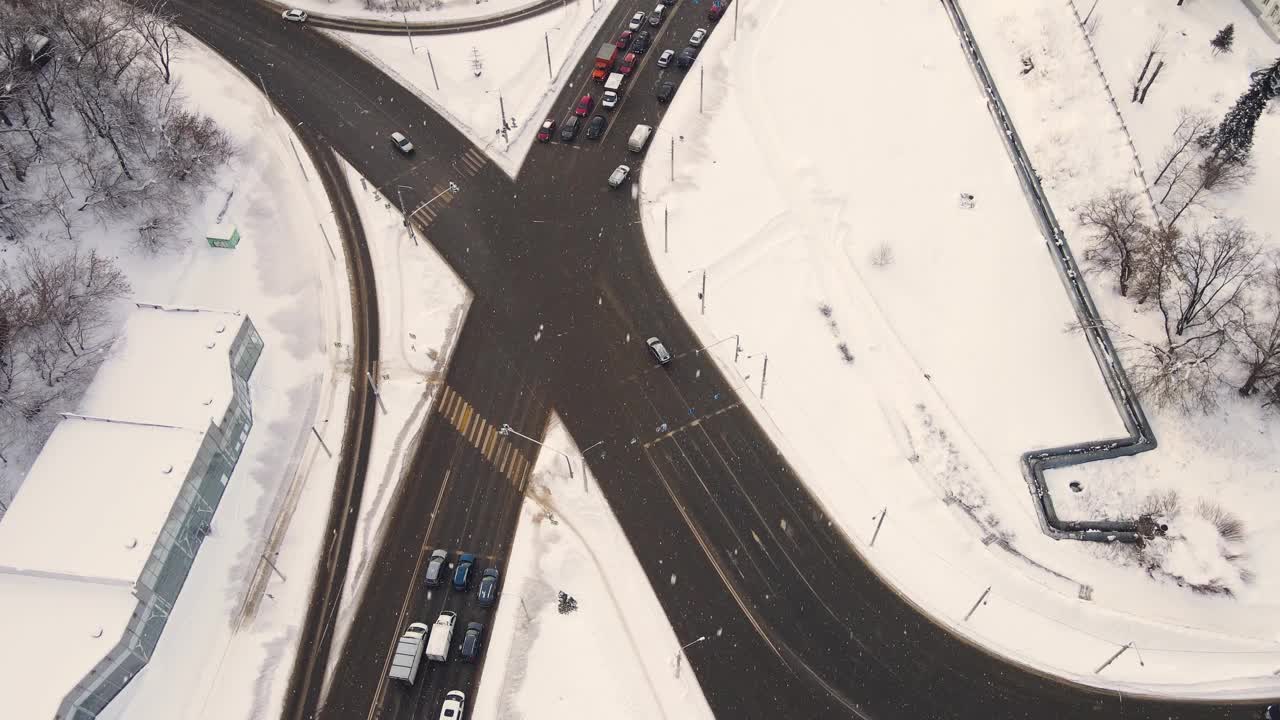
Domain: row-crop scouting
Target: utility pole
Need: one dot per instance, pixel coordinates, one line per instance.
(702, 75)
(503, 109)
(673, 159)
(546, 36)
(666, 225)
(703, 295)
(267, 560)
(735, 19)
(763, 373)
(412, 49)
(433, 69)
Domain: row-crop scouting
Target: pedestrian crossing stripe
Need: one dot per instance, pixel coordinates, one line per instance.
(485, 437)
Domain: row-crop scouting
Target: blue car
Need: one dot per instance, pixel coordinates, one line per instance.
(462, 572)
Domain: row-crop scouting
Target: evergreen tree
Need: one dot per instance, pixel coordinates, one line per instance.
(1222, 41)
(1234, 138)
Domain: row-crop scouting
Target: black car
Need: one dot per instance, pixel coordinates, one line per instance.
(666, 91)
(686, 57)
(596, 127)
(471, 642)
(569, 130)
(668, 2)
(488, 594)
(641, 42)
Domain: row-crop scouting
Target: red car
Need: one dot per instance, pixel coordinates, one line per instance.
(584, 106)
(628, 64)
(624, 40)
(547, 130)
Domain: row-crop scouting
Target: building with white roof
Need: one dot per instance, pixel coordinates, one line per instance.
(1268, 12)
(99, 540)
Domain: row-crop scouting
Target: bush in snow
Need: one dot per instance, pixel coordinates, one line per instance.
(882, 256)
(1204, 550)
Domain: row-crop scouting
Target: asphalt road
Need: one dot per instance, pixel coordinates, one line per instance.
(733, 544)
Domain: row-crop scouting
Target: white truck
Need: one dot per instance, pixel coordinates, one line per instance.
(404, 664)
(441, 637)
(614, 82)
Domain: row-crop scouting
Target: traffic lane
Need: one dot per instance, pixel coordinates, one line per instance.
(696, 601)
(443, 451)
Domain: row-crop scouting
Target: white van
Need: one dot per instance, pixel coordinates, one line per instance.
(656, 17)
(614, 82)
(639, 138)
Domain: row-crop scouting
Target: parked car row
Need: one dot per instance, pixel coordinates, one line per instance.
(435, 642)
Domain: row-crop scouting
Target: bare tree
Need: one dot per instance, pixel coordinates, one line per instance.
(157, 233)
(193, 148)
(1257, 333)
(1208, 177)
(1183, 376)
(1209, 271)
(155, 26)
(1193, 126)
(1115, 219)
(1153, 49)
(1156, 245)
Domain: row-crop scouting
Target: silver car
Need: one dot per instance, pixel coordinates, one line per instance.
(619, 176)
(401, 142)
(658, 350)
(665, 58)
(436, 567)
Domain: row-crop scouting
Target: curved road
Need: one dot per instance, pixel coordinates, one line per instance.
(421, 27)
(733, 543)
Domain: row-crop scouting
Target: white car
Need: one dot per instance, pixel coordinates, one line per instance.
(636, 21)
(454, 702)
(609, 100)
(401, 142)
(665, 58)
(658, 350)
(698, 36)
(294, 15)
(619, 176)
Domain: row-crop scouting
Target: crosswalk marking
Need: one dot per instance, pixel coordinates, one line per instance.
(485, 437)
(472, 162)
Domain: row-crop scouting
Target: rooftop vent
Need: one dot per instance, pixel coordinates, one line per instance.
(220, 329)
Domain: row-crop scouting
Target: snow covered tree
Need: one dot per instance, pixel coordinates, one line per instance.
(1234, 138)
(1115, 219)
(1223, 40)
(1257, 336)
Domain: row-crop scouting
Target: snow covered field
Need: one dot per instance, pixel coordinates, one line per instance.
(935, 370)
(248, 641)
(513, 73)
(579, 633)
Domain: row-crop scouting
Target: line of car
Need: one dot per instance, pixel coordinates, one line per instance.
(435, 642)
(636, 42)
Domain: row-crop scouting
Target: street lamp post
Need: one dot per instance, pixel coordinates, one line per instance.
(703, 294)
(508, 430)
(680, 652)
(412, 49)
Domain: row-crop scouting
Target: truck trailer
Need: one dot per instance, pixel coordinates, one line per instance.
(404, 664)
(441, 637)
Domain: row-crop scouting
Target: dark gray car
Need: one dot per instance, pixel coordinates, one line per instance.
(436, 567)
(488, 594)
(686, 57)
(471, 642)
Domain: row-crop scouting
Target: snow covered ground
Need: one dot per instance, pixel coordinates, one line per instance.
(909, 388)
(284, 277)
(426, 10)
(297, 294)
(579, 632)
(1228, 460)
(514, 73)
